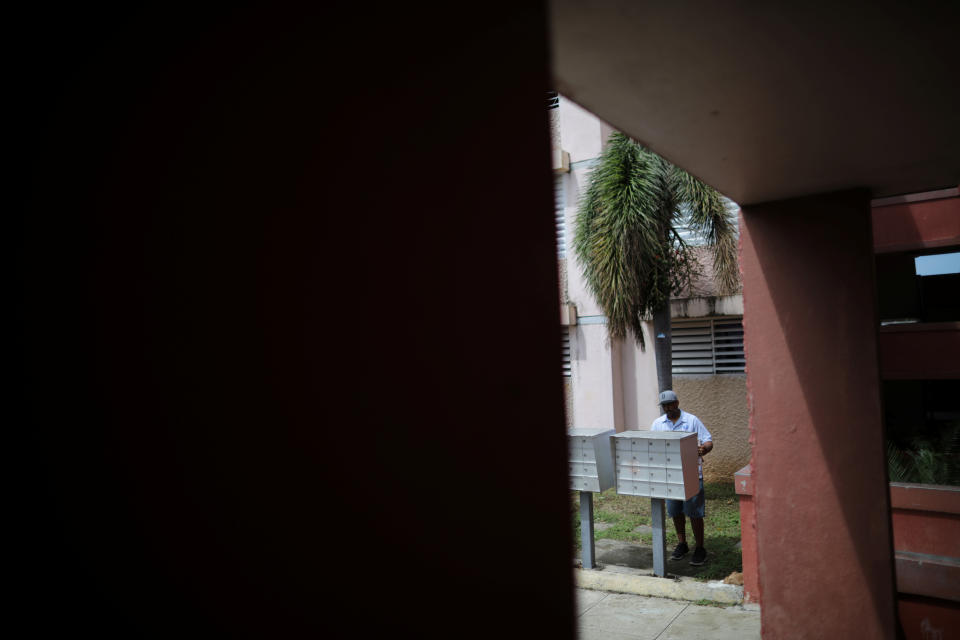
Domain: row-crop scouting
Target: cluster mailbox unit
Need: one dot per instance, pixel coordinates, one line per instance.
(657, 464)
(591, 470)
(591, 459)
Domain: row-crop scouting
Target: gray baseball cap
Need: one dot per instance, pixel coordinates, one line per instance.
(668, 396)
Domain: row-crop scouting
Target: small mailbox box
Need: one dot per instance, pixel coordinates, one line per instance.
(591, 459)
(657, 464)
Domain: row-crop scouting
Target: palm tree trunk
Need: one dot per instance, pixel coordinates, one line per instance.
(663, 346)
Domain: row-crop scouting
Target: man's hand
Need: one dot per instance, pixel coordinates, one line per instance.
(705, 448)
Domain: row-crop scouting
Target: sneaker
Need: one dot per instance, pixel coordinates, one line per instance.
(699, 556)
(681, 550)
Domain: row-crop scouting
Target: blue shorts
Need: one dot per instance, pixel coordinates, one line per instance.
(692, 508)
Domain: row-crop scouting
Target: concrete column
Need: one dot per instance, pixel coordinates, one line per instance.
(597, 379)
(639, 382)
(616, 379)
(822, 509)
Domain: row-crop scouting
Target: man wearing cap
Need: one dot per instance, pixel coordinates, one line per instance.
(676, 420)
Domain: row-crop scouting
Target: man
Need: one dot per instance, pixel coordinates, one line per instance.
(676, 420)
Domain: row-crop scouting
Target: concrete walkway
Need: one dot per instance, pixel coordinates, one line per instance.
(602, 615)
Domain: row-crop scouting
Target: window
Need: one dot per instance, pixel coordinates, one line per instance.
(938, 264)
(559, 203)
(922, 419)
(708, 345)
(565, 345)
(918, 287)
(695, 239)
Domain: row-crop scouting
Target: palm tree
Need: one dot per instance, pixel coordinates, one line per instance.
(627, 241)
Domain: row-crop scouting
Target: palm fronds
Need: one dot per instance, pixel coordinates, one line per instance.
(621, 235)
(898, 467)
(924, 461)
(625, 238)
(711, 217)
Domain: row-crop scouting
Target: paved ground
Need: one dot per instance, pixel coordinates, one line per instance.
(626, 554)
(627, 567)
(603, 615)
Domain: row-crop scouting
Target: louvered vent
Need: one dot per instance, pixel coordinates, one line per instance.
(565, 346)
(728, 346)
(708, 346)
(553, 99)
(559, 202)
(692, 347)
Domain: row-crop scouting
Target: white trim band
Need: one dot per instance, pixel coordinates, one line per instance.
(916, 197)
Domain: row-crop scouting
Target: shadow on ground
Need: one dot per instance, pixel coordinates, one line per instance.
(623, 535)
(723, 557)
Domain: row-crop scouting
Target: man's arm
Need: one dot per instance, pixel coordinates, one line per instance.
(705, 438)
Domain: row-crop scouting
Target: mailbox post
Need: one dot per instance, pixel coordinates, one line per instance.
(591, 470)
(658, 522)
(661, 465)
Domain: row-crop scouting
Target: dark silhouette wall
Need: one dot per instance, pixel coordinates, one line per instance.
(261, 390)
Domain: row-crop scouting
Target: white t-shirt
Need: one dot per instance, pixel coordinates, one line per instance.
(686, 422)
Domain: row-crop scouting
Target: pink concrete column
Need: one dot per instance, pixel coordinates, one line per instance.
(820, 493)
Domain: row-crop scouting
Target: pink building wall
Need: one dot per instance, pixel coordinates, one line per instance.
(927, 351)
(926, 541)
(925, 224)
(924, 519)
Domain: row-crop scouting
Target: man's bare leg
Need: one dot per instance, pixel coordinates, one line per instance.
(680, 522)
(697, 525)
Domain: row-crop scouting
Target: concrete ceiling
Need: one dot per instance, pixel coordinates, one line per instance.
(767, 101)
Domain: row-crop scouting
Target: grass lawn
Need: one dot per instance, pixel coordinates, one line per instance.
(721, 528)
